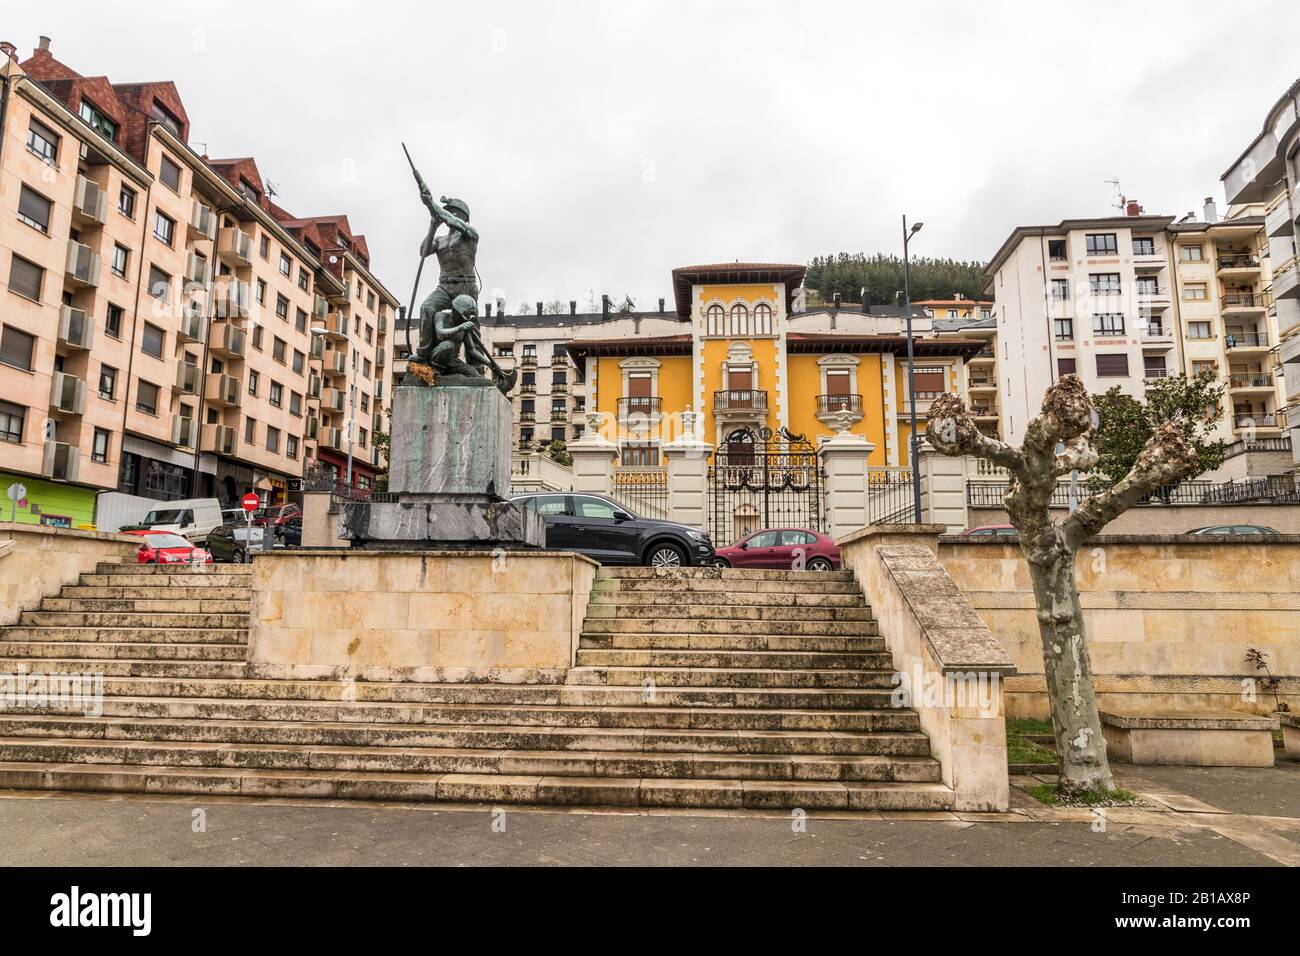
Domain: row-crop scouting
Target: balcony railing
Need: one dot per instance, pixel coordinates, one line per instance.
(76, 329)
(740, 400)
(528, 361)
(830, 404)
(639, 405)
(1255, 380)
(1246, 340)
(1258, 420)
(1245, 300)
(1152, 372)
(1238, 260)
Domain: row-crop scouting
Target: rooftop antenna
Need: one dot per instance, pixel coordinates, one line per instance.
(1119, 194)
(272, 189)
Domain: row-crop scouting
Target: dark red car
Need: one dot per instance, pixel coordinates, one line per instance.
(277, 516)
(167, 547)
(781, 548)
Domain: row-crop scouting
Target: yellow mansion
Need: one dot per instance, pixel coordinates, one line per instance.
(742, 352)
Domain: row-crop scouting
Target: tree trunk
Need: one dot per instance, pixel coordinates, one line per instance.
(1080, 746)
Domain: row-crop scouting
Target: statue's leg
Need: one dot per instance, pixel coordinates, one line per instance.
(436, 301)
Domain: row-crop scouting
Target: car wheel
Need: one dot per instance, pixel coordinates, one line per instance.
(820, 564)
(666, 556)
(238, 557)
(721, 563)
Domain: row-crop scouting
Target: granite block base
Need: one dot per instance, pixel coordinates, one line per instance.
(429, 521)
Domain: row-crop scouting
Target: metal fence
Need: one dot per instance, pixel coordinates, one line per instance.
(643, 491)
(890, 496)
(1279, 489)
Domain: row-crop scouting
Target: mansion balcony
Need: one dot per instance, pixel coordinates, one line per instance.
(739, 404)
(831, 407)
(640, 408)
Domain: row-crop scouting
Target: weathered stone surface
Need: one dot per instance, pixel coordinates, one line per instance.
(1221, 739)
(422, 521)
(450, 441)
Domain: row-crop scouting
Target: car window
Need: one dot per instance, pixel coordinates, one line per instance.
(764, 539)
(547, 504)
(593, 508)
(1007, 532)
(166, 541)
(187, 516)
(1248, 529)
(796, 538)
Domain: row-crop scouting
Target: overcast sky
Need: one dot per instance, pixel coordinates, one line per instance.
(601, 144)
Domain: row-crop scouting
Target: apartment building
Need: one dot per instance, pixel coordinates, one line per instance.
(960, 317)
(157, 330)
(1267, 174)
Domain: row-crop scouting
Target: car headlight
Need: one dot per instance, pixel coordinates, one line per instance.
(699, 535)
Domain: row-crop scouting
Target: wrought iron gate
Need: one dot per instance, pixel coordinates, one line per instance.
(764, 479)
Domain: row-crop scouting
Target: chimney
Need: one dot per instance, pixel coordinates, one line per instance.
(1211, 210)
(661, 306)
(604, 306)
(573, 307)
(487, 310)
(1131, 208)
(501, 307)
(835, 301)
(43, 44)
(539, 308)
(9, 50)
(866, 301)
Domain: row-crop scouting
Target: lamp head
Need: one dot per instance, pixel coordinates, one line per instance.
(916, 227)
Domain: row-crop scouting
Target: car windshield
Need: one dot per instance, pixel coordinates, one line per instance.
(165, 516)
(165, 541)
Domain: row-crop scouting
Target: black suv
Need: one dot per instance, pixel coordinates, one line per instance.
(607, 532)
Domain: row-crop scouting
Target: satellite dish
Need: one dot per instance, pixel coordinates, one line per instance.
(333, 259)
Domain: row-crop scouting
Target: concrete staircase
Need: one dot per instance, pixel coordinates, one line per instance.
(694, 688)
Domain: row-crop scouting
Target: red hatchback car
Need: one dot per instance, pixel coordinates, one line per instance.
(781, 548)
(165, 547)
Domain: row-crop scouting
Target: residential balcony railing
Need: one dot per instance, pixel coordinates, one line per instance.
(1259, 420)
(648, 405)
(1246, 340)
(1151, 373)
(740, 400)
(830, 404)
(1254, 380)
(1245, 300)
(1238, 260)
(528, 361)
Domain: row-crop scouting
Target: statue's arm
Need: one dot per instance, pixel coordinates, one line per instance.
(440, 214)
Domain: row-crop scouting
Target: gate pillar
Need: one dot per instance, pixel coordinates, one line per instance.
(688, 475)
(844, 460)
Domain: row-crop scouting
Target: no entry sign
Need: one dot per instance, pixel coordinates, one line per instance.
(249, 502)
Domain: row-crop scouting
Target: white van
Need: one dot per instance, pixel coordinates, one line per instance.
(193, 518)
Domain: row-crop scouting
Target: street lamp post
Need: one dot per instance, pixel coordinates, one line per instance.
(911, 371)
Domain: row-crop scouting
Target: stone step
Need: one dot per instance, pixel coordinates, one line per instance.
(809, 584)
(596, 763)
(147, 605)
(96, 649)
(730, 677)
(785, 597)
(481, 788)
(476, 736)
(739, 614)
(759, 660)
(143, 636)
(117, 702)
(160, 582)
(126, 668)
(732, 642)
(143, 621)
(689, 577)
(682, 625)
(173, 570)
(172, 594)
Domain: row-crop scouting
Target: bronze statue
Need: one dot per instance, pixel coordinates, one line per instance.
(449, 316)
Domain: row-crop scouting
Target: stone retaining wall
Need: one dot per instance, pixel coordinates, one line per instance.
(36, 560)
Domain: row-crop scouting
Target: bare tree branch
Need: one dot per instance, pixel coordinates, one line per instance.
(1080, 454)
(951, 431)
(1168, 457)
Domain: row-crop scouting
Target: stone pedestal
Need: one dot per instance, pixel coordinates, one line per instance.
(449, 468)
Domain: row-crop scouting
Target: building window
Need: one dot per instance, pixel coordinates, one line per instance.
(278, 350)
(1196, 292)
(1200, 368)
(152, 339)
(164, 227)
(1066, 366)
(1102, 244)
(146, 397)
(167, 118)
(159, 282)
(1104, 283)
(252, 382)
(34, 209)
(1064, 330)
(277, 395)
(299, 361)
(762, 319)
(1191, 253)
(257, 337)
(1056, 250)
(286, 264)
(300, 321)
(98, 121)
(1112, 366)
(272, 439)
(1145, 246)
(25, 278)
(370, 301)
(99, 446)
(370, 333)
(1060, 289)
(264, 247)
(713, 320)
(121, 257)
(170, 174)
(365, 402)
(291, 447)
(43, 141)
(107, 382)
(1199, 330)
(16, 348)
(365, 368)
(295, 404)
(639, 455)
(738, 323)
(113, 321)
(304, 279)
(12, 418)
(250, 431)
(126, 202)
(1108, 323)
(362, 435)
(282, 306)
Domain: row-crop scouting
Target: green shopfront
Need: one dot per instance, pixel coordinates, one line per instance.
(47, 502)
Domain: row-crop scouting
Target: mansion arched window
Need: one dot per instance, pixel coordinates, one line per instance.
(739, 324)
(762, 319)
(713, 317)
